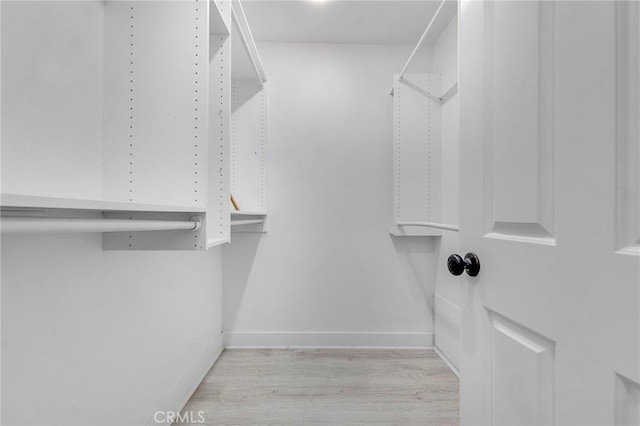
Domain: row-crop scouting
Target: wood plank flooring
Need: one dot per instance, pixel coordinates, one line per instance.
(327, 387)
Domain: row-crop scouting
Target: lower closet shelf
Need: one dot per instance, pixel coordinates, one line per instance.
(125, 226)
(57, 225)
(244, 221)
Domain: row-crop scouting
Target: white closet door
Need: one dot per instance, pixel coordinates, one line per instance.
(549, 202)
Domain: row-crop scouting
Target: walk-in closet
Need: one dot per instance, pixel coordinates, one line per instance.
(319, 212)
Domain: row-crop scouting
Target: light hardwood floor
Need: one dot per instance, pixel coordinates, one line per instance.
(327, 387)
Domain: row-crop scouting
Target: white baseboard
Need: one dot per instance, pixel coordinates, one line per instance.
(181, 394)
(447, 361)
(241, 339)
(447, 328)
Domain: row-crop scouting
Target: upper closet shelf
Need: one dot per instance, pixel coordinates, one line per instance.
(217, 24)
(246, 64)
(15, 202)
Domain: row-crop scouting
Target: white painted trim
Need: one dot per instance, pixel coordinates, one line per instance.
(241, 339)
(182, 393)
(446, 360)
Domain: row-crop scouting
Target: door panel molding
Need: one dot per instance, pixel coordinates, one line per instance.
(520, 151)
(522, 374)
(627, 397)
(627, 127)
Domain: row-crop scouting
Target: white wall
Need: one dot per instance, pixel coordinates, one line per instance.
(328, 272)
(88, 336)
(103, 337)
(52, 86)
(447, 289)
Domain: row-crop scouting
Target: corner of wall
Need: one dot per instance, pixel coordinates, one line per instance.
(181, 394)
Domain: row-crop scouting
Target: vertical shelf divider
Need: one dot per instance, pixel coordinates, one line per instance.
(218, 219)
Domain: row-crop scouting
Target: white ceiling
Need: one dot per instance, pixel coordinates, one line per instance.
(345, 21)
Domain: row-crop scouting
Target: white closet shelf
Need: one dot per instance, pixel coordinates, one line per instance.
(240, 213)
(246, 64)
(217, 25)
(125, 226)
(29, 202)
(217, 241)
(445, 226)
(246, 221)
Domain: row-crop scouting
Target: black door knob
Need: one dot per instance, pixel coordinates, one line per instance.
(457, 265)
